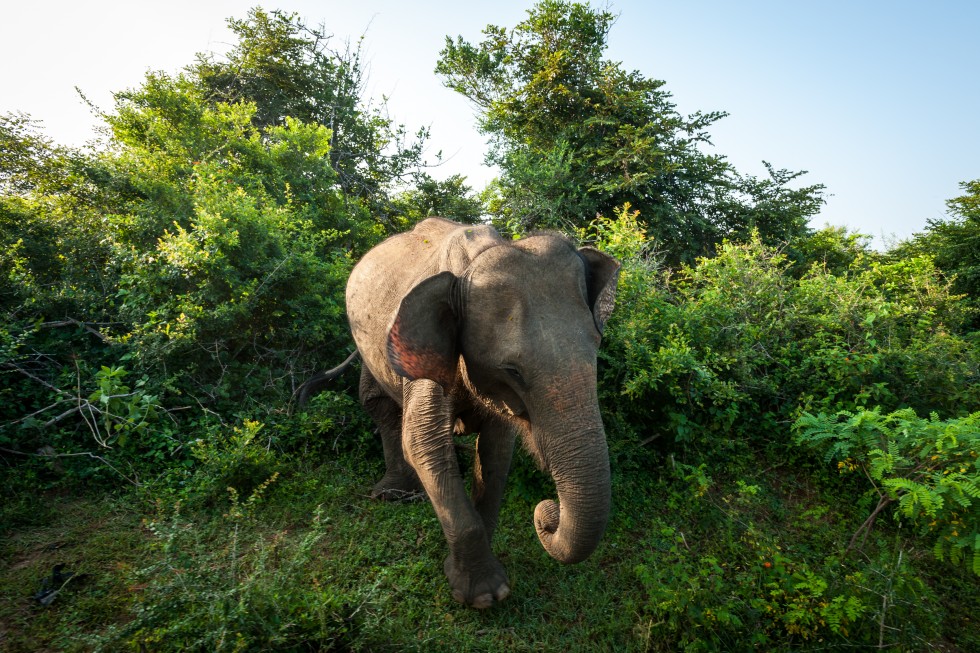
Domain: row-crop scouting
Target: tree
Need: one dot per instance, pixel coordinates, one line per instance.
(576, 135)
(202, 250)
(450, 198)
(53, 248)
(833, 249)
(289, 70)
(954, 244)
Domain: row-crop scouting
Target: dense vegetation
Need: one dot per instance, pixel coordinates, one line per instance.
(793, 418)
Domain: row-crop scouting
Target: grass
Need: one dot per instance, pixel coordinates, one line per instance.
(98, 539)
(311, 563)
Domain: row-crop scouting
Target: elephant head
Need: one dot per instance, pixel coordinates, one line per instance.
(517, 331)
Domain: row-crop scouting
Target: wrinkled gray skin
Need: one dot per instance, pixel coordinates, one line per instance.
(462, 331)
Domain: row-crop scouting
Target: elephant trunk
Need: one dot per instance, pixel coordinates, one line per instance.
(571, 529)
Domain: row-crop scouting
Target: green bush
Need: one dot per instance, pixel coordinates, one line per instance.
(248, 277)
(736, 566)
(203, 247)
(760, 597)
(720, 356)
(239, 461)
(214, 277)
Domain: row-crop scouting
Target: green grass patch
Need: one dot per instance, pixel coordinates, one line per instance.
(308, 562)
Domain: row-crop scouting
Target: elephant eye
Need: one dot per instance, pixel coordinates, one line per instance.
(516, 375)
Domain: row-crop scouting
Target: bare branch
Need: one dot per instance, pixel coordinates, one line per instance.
(70, 455)
(33, 377)
(42, 410)
(85, 325)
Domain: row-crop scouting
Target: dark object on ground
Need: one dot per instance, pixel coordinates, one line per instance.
(53, 584)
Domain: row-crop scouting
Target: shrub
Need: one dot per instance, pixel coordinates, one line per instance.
(236, 291)
(213, 276)
(926, 469)
(721, 571)
(721, 355)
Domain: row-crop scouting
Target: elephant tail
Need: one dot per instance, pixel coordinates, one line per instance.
(319, 381)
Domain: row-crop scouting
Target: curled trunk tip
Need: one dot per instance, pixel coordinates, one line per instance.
(563, 543)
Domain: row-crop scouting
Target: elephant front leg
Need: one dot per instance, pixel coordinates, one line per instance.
(476, 577)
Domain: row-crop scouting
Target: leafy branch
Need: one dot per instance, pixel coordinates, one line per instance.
(928, 468)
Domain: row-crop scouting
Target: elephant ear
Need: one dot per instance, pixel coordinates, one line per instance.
(422, 339)
(601, 277)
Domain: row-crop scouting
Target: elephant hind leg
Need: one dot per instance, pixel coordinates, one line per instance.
(400, 482)
(494, 450)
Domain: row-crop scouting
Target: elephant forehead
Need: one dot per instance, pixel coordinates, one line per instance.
(512, 269)
(519, 299)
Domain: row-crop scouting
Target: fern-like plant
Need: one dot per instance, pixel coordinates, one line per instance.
(926, 468)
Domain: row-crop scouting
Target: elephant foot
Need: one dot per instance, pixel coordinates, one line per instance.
(477, 586)
(398, 487)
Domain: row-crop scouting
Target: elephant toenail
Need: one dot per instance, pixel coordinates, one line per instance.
(483, 601)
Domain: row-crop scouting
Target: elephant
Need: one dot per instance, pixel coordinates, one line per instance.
(462, 331)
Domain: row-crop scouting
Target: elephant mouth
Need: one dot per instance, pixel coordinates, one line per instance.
(511, 408)
(518, 414)
(514, 414)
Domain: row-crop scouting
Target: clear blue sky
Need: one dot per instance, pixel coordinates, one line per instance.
(878, 100)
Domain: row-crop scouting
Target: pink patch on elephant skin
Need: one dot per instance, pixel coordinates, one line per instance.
(416, 361)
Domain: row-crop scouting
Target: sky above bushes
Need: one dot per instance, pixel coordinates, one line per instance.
(876, 99)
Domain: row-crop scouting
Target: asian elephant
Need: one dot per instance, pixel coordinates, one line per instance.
(462, 331)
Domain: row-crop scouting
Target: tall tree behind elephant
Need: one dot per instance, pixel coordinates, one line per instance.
(459, 329)
(575, 134)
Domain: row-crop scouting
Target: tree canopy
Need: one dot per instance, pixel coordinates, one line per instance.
(289, 69)
(954, 243)
(576, 135)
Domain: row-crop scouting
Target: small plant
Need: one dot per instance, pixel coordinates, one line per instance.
(927, 468)
(239, 461)
(123, 412)
(623, 237)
